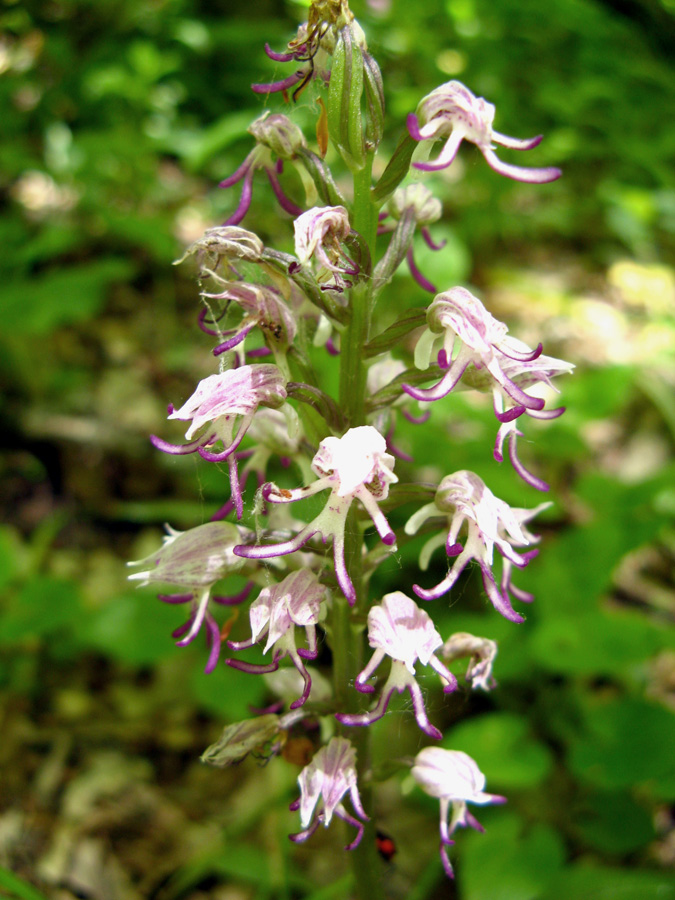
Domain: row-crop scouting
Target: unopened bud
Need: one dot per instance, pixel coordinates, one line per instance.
(242, 738)
(419, 198)
(277, 132)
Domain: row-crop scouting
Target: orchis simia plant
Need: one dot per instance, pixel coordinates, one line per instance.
(324, 515)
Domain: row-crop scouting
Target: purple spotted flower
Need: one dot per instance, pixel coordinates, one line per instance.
(194, 561)
(453, 113)
(275, 135)
(474, 346)
(319, 235)
(295, 601)
(464, 499)
(456, 780)
(219, 403)
(323, 784)
(355, 466)
(399, 629)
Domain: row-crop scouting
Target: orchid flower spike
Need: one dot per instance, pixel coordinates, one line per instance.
(355, 466)
(295, 601)
(319, 235)
(399, 629)
(456, 780)
(464, 499)
(275, 135)
(195, 560)
(481, 652)
(323, 783)
(451, 111)
(219, 402)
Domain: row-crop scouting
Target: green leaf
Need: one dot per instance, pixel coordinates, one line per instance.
(621, 639)
(12, 553)
(397, 169)
(17, 887)
(391, 336)
(134, 627)
(591, 883)
(508, 862)
(42, 607)
(613, 822)
(503, 749)
(626, 742)
(39, 305)
(322, 177)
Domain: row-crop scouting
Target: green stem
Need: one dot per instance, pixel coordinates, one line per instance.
(348, 624)
(353, 367)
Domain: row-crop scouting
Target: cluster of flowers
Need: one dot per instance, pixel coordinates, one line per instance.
(287, 303)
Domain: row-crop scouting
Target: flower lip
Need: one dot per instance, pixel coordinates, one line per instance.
(323, 783)
(455, 779)
(398, 628)
(359, 457)
(355, 466)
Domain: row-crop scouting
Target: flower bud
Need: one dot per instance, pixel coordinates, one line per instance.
(419, 198)
(277, 132)
(193, 559)
(240, 739)
(344, 100)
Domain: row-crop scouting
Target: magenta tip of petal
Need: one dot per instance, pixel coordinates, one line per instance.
(364, 688)
(447, 867)
(454, 549)
(510, 414)
(389, 539)
(413, 125)
(443, 361)
(277, 57)
(424, 594)
(430, 167)
(432, 731)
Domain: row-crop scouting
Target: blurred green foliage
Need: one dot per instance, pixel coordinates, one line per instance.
(119, 118)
